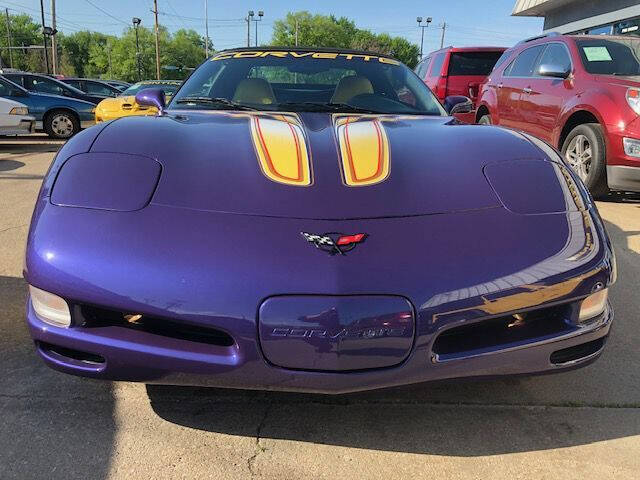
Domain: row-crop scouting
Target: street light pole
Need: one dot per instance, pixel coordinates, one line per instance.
(136, 22)
(249, 18)
(419, 20)
(54, 43)
(260, 15)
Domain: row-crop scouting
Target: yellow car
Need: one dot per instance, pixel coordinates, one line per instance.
(125, 104)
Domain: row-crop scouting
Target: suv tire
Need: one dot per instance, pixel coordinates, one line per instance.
(584, 149)
(61, 124)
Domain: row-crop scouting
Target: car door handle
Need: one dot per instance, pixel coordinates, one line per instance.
(526, 90)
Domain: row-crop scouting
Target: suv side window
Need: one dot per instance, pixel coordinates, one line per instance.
(523, 65)
(436, 67)
(556, 54)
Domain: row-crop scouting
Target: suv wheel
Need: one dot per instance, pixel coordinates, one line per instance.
(584, 150)
(61, 124)
(485, 120)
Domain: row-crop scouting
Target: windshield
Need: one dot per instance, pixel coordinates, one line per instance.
(306, 81)
(610, 56)
(473, 63)
(168, 88)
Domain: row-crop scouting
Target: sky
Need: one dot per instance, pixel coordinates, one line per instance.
(469, 22)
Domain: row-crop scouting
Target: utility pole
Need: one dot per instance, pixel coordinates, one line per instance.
(249, 17)
(296, 32)
(155, 12)
(419, 20)
(44, 38)
(444, 27)
(54, 43)
(206, 28)
(6, 11)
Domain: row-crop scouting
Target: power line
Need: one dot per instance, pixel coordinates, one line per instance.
(106, 13)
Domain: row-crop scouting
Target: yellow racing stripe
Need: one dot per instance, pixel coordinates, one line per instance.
(281, 148)
(364, 150)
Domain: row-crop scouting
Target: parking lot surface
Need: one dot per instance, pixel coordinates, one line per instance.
(578, 425)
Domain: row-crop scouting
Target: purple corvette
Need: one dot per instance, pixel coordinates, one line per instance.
(312, 220)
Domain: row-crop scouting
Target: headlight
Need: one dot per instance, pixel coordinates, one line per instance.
(631, 147)
(593, 305)
(633, 99)
(19, 111)
(50, 308)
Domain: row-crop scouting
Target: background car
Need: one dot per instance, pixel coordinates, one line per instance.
(37, 83)
(14, 117)
(119, 84)
(60, 117)
(125, 104)
(579, 93)
(92, 87)
(458, 71)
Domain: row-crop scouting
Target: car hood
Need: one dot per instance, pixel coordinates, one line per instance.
(7, 104)
(307, 166)
(117, 103)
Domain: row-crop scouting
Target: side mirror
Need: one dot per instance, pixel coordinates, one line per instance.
(458, 104)
(18, 93)
(555, 71)
(152, 97)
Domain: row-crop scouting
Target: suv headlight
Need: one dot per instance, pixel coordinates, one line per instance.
(50, 308)
(19, 111)
(633, 99)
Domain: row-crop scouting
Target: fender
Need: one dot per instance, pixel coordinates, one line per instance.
(489, 100)
(607, 114)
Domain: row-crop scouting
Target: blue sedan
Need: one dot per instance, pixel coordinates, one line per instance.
(59, 117)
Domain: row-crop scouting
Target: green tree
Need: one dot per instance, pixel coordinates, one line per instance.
(329, 31)
(24, 32)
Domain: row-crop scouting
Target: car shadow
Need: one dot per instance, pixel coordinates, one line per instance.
(455, 418)
(7, 165)
(52, 425)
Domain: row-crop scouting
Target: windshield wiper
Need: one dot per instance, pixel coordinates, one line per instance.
(219, 102)
(327, 107)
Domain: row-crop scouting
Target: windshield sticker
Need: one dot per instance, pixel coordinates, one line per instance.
(315, 55)
(597, 54)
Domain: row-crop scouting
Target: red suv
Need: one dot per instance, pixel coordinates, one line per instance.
(579, 93)
(458, 71)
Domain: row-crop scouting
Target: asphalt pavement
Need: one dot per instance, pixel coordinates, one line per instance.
(581, 424)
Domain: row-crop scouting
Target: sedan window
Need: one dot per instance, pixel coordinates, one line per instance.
(45, 86)
(96, 88)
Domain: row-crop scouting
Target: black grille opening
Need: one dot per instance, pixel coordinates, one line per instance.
(495, 333)
(102, 317)
(78, 355)
(577, 351)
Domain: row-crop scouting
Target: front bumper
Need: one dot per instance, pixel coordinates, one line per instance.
(131, 355)
(623, 171)
(18, 125)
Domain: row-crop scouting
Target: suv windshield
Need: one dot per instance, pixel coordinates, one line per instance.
(608, 56)
(306, 81)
